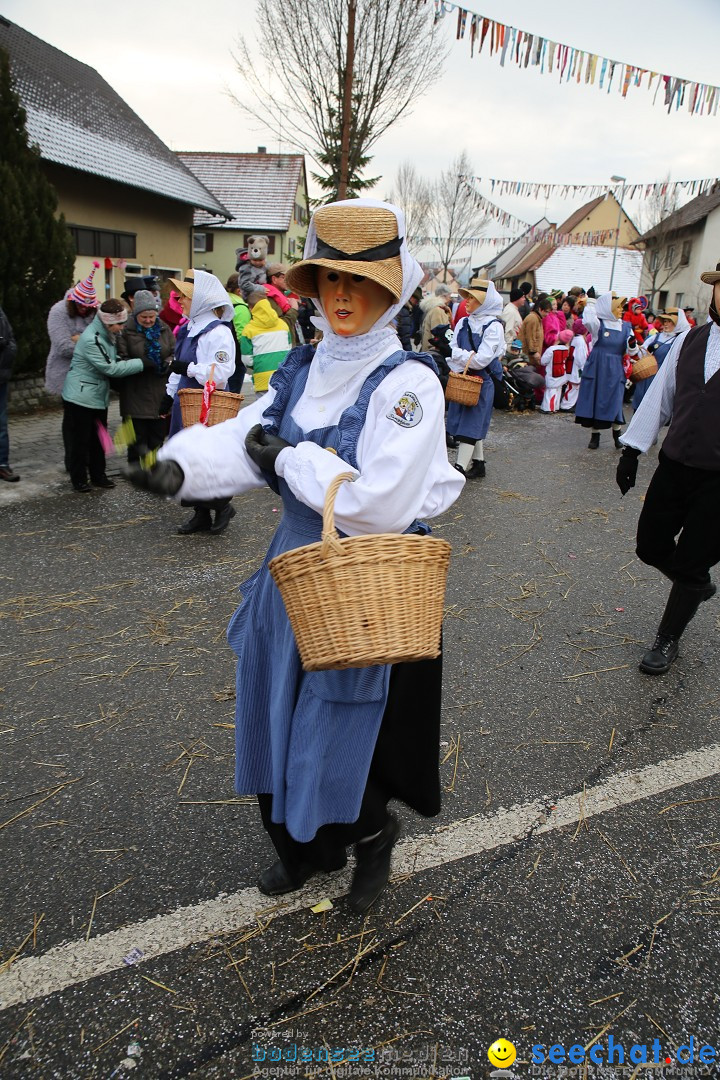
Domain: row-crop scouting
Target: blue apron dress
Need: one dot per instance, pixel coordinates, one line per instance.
(306, 738)
(602, 386)
(472, 422)
(644, 385)
(186, 349)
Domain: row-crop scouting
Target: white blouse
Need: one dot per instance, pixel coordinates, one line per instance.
(403, 473)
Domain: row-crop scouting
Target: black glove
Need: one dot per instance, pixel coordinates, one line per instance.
(179, 367)
(627, 469)
(165, 478)
(149, 365)
(632, 342)
(651, 346)
(166, 405)
(264, 448)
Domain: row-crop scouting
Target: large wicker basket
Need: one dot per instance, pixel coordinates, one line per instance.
(223, 406)
(644, 368)
(363, 600)
(463, 388)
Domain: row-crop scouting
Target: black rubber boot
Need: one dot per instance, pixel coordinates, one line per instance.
(199, 522)
(372, 866)
(594, 441)
(223, 518)
(681, 607)
(276, 880)
(616, 439)
(476, 470)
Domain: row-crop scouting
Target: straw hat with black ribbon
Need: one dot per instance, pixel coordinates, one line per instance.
(355, 239)
(671, 314)
(711, 277)
(186, 285)
(477, 289)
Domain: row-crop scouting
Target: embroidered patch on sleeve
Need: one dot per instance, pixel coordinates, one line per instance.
(407, 411)
(221, 357)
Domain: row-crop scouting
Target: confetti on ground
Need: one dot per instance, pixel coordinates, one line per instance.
(323, 905)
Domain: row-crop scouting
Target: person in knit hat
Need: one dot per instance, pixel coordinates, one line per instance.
(67, 319)
(557, 362)
(145, 335)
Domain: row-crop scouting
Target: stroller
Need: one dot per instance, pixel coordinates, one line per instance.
(516, 390)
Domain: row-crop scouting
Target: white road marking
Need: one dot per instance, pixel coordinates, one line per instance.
(77, 961)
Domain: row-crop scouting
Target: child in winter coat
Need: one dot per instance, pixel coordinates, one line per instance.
(265, 342)
(576, 360)
(555, 361)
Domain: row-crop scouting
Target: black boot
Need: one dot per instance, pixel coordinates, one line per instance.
(451, 442)
(682, 605)
(594, 441)
(616, 439)
(372, 866)
(476, 470)
(223, 518)
(199, 522)
(276, 880)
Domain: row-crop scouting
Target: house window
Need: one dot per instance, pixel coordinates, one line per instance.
(679, 299)
(271, 241)
(203, 241)
(670, 255)
(291, 247)
(103, 243)
(654, 260)
(663, 300)
(685, 253)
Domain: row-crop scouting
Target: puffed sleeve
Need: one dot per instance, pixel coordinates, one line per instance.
(404, 472)
(214, 459)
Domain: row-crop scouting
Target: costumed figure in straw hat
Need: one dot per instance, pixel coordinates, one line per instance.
(679, 526)
(600, 400)
(479, 337)
(205, 346)
(325, 751)
(673, 322)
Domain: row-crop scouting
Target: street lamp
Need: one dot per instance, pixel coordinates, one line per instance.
(617, 180)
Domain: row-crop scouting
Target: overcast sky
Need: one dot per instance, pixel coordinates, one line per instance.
(172, 63)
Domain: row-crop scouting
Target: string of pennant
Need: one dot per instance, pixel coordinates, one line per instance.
(525, 49)
(537, 190)
(593, 238)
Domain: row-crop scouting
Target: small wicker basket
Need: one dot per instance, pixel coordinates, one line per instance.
(223, 406)
(644, 368)
(363, 600)
(463, 388)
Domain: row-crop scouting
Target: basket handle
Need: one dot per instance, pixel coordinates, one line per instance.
(330, 538)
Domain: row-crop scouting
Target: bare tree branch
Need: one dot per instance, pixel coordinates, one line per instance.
(294, 75)
(453, 215)
(413, 195)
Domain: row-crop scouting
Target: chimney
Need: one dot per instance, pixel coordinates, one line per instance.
(262, 149)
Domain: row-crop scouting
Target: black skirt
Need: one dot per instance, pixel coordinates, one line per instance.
(404, 766)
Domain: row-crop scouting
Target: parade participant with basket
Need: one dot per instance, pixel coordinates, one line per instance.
(477, 345)
(654, 351)
(204, 351)
(326, 749)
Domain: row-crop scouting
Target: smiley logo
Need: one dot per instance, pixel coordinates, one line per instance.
(502, 1053)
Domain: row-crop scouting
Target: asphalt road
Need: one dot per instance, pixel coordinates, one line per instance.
(567, 906)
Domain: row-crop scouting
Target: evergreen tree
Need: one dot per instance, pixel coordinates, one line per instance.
(37, 254)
